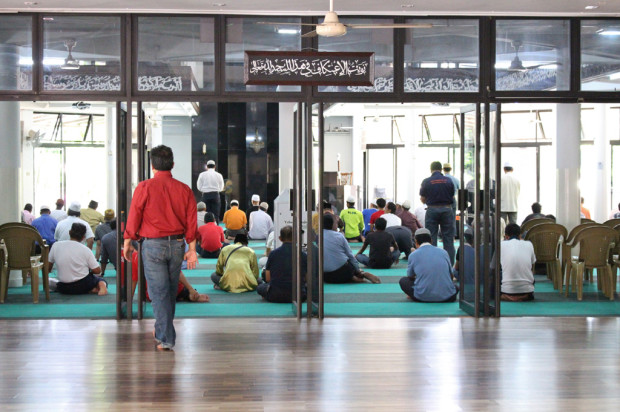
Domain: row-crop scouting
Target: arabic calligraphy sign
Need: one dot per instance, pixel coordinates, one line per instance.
(309, 68)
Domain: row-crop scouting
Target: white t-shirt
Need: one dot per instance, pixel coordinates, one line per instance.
(58, 214)
(200, 217)
(510, 193)
(517, 258)
(420, 214)
(260, 225)
(392, 220)
(64, 226)
(73, 260)
(210, 181)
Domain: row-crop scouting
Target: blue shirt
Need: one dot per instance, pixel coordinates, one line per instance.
(46, 225)
(336, 251)
(367, 213)
(280, 267)
(438, 190)
(108, 248)
(433, 274)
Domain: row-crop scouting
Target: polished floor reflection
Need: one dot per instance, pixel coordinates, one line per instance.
(336, 365)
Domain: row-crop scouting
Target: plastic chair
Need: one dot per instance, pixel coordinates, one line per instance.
(19, 240)
(4, 272)
(612, 223)
(531, 223)
(594, 243)
(569, 244)
(547, 239)
(584, 220)
(614, 254)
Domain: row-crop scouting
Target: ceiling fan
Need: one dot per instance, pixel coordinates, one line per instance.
(516, 65)
(331, 27)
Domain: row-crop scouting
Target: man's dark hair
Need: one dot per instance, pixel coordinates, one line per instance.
(73, 213)
(447, 169)
(327, 205)
(513, 230)
(350, 204)
(78, 231)
(380, 224)
(112, 224)
(469, 238)
(211, 166)
(93, 204)
(423, 238)
(28, 207)
(391, 206)
(241, 238)
(536, 207)
(582, 200)
(508, 169)
(209, 217)
(286, 233)
(46, 210)
(550, 217)
(381, 203)
(162, 158)
(436, 166)
(618, 206)
(328, 221)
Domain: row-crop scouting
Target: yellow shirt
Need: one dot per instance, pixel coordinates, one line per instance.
(235, 219)
(92, 217)
(241, 271)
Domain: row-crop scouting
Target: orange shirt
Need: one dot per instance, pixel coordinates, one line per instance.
(586, 212)
(235, 219)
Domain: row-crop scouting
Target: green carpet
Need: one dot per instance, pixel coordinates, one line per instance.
(345, 300)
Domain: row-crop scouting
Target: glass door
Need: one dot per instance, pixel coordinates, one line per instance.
(480, 228)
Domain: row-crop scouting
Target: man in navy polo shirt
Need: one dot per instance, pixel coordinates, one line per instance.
(437, 191)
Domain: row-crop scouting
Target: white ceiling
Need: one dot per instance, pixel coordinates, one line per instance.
(318, 7)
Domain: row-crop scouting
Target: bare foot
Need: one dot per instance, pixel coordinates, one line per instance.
(372, 278)
(217, 287)
(103, 289)
(199, 297)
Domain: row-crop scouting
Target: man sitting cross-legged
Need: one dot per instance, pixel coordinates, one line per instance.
(236, 270)
(383, 248)
(76, 265)
(278, 286)
(211, 238)
(429, 272)
(339, 264)
(517, 259)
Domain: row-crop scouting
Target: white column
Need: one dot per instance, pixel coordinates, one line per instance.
(568, 158)
(600, 204)
(110, 152)
(287, 133)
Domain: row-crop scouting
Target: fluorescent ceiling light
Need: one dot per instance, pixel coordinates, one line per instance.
(288, 31)
(614, 76)
(612, 31)
(591, 7)
(425, 65)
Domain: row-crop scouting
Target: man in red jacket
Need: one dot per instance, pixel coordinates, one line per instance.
(162, 214)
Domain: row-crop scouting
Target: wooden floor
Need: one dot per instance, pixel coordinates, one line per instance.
(516, 364)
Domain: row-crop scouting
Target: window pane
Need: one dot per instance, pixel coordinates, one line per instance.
(82, 53)
(379, 41)
(15, 53)
(532, 55)
(443, 58)
(245, 34)
(600, 55)
(176, 54)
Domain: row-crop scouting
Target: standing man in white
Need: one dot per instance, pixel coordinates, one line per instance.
(211, 183)
(510, 194)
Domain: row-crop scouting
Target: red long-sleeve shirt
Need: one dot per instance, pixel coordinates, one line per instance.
(162, 206)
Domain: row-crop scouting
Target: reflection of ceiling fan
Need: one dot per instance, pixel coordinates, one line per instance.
(516, 65)
(70, 62)
(331, 27)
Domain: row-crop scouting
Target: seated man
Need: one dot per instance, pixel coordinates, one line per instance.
(235, 220)
(260, 223)
(536, 213)
(402, 236)
(91, 216)
(467, 274)
(390, 215)
(236, 270)
(381, 206)
(102, 230)
(76, 265)
(383, 248)
(367, 213)
(108, 248)
(268, 248)
(73, 216)
(339, 264)
(46, 225)
(278, 285)
(407, 218)
(429, 272)
(201, 211)
(517, 259)
(353, 221)
(210, 238)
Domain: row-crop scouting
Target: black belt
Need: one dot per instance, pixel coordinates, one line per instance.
(171, 237)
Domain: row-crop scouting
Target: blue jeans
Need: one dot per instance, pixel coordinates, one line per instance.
(162, 266)
(441, 216)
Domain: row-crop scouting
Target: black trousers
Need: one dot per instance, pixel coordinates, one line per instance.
(212, 201)
(343, 274)
(80, 287)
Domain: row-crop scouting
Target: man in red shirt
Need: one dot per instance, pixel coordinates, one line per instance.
(162, 213)
(211, 238)
(378, 213)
